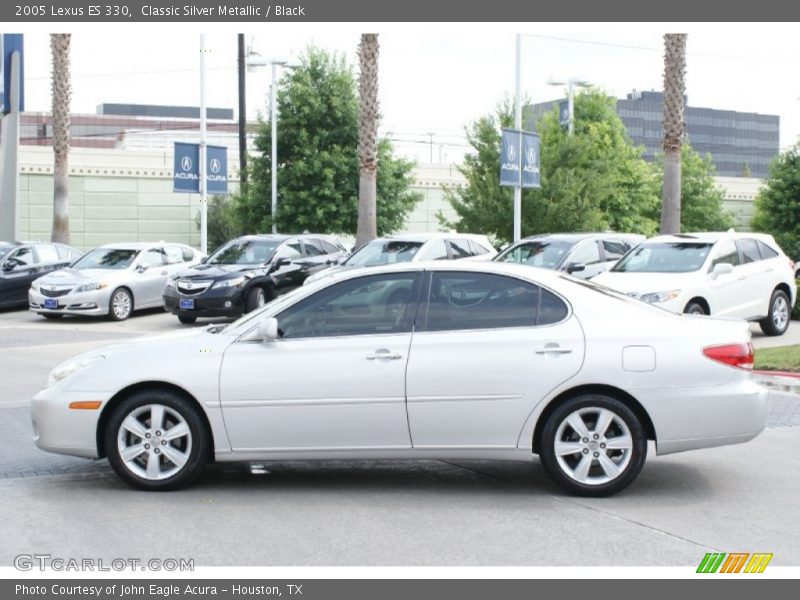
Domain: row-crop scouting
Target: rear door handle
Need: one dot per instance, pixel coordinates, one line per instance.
(553, 349)
(383, 353)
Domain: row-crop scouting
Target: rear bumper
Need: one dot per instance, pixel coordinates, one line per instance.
(704, 417)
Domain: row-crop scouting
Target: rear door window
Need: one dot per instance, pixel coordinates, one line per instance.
(460, 248)
(47, 253)
(587, 253)
(749, 250)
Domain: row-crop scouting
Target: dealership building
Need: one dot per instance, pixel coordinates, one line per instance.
(121, 177)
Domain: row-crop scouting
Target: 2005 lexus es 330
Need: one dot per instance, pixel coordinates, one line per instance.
(456, 360)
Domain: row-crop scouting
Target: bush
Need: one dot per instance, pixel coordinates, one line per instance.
(223, 223)
(796, 309)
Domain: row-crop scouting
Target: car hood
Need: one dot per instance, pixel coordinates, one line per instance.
(79, 276)
(331, 271)
(642, 283)
(215, 271)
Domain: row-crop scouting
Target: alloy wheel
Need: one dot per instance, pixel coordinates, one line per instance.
(154, 442)
(780, 312)
(593, 446)
(121, 305)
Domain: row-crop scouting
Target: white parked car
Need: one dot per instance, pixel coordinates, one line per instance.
(483, 361)
(584, 255)
(112, 280)
(414, 247)
(740, 275)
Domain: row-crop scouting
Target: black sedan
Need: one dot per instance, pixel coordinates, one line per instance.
(22, 262)
(247, 272)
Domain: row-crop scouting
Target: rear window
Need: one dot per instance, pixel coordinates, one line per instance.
(765, 251)
(749, 250)
(536, 253)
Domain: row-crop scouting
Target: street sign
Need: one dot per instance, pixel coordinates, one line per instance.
(510, 157)
(10, 43)
(530, 160)
(519, 159)
(186, 169)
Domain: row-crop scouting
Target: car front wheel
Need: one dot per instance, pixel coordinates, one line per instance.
(593, 445)
(256, 298)
(120, 306)
(780, 312)
(694, 308)
(155, 440)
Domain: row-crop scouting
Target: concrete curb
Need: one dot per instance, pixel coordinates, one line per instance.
(781, 382)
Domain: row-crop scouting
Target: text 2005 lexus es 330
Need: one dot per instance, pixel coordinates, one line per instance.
(415, 360)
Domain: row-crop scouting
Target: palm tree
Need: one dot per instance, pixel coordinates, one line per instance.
(674, 91)
(61, 96)
(367, 138)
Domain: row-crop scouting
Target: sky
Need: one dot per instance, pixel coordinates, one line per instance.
(434, 78)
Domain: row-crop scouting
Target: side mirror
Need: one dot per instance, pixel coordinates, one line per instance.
(721, 269)
(575, 267)
(204, 260)
(268, 329)
(142, 268)
(282, 262)
(9, 266)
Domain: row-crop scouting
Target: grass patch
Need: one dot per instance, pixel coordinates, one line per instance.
(785, 358)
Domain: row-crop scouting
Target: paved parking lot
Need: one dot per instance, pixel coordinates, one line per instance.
(739, 498)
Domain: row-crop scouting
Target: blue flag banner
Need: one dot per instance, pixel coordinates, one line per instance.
(217, 170)
(186, 169)
(563, 113)
(510, 158)
(530, 160)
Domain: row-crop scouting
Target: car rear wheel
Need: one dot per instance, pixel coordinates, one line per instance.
(186, 320)
(120, 306)
(256, 298)
(780, 313)
(593, 445)
(155, 440)
(694, 308)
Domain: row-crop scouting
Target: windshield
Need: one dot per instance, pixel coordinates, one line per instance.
(383, 252)
(665, 257)
(244, 252)
(536, 253)
(106, 258)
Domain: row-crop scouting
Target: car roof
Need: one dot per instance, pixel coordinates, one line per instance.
(577, 237)
(711, 237)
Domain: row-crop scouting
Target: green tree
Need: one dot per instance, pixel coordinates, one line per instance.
(318, 166)
(777, 206)
(223, 222)
(701, 199)
(592, 180)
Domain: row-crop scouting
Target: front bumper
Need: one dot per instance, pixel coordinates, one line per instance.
(213, 302)
(60, 429)
(94, 303)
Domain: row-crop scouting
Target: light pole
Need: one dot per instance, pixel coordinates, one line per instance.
(570, 83)
(518, 127)
(253, 60)
(203, 150)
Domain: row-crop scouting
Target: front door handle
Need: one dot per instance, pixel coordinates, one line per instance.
(383, 353)
(553, 349)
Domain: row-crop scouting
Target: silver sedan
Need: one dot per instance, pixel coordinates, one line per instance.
(112, 280)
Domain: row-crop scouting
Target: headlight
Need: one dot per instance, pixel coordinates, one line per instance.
(658, 297)
(69, 367)
(171, 282)
(35, 286)
(91, 287)
(227, 283)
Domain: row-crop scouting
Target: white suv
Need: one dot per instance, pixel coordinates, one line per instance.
(741, 275)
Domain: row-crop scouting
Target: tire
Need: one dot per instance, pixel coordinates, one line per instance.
(256, 298)
(120, 305)
(569, 469)
(51, 316)
(168, 465)
(694, 308)
(780, 314)
(186, 319)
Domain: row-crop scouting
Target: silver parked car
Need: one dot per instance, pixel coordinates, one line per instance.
(112, 280)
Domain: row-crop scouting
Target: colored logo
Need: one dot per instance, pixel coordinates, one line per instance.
(734, 562)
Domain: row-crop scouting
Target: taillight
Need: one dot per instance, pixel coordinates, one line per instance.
(791, 264)
(735, 355)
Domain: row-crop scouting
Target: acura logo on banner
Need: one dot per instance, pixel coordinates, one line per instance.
(186, 175)
(519, 159)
